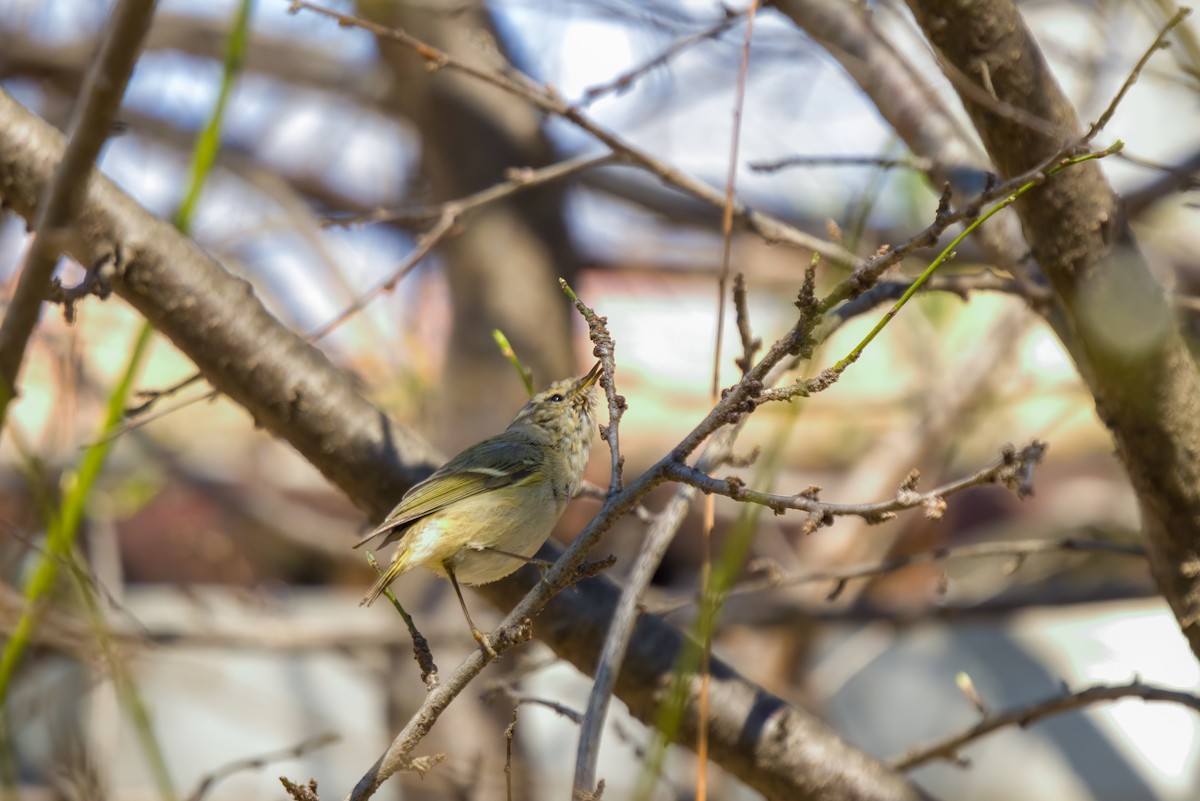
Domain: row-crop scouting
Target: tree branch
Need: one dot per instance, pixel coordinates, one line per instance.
(1120, 329)
(1017, 551)
(1026, 715)
(1014, 470)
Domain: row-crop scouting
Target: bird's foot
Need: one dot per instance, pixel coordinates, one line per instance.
(481, 638)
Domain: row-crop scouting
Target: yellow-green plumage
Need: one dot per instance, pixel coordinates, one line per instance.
(503, 494)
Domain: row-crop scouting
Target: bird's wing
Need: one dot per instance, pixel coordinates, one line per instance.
(510, 460)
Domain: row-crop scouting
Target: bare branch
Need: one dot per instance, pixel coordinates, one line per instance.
(519, 181)
(447, 217)
(298, 750)
(1083, 244)
(1017, 549)
(616, 642)
(961, 284)
(1174, 178)
(750, 344)
(1159, 43)
(625, 80)
(1014, 471)
(920, 164)
(605, 351)
(1024, 716)
(506, 691)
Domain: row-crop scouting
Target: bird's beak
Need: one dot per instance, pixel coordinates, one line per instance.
(589, 379)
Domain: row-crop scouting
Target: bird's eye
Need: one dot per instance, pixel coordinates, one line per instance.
(556, 397)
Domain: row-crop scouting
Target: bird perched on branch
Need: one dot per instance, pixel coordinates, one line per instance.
(489, 509)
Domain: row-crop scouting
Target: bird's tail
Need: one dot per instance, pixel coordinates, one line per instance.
(399, 565)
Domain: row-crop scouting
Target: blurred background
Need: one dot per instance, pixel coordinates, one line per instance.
(229, 625)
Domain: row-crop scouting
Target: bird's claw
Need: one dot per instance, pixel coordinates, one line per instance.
(481, 638)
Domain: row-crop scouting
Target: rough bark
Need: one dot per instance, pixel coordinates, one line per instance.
(293, 391)
(1126, 344)
(213, 317)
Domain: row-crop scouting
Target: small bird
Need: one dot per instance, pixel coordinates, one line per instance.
(489, 509)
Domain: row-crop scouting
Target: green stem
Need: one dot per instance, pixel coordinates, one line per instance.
(725, 573)
(948, 252)
(62, 530)
(506, 349)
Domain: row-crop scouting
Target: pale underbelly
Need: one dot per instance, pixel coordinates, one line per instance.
(436, 540)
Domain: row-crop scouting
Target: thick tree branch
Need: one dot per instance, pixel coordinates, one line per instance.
(1125, 345)
(290, 388)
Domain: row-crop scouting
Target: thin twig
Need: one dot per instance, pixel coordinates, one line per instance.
(597, 493)
(1013, 470)
(152, 396)
(1017, 550)
(253, 763)
(506, 691)
(961, 284)
(1024, 716)
(1160, 42)
(519, 180)
(424, 244)
(750, 343)
(605, 351)
(420, 645)
(625, 80)
(919, 164)
(510, 734)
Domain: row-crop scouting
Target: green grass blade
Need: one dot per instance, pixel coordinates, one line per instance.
(506, 349)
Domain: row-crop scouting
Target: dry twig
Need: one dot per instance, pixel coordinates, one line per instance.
(1024, 716)
(296, 751)
(1017, 550)
(1014, 470)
